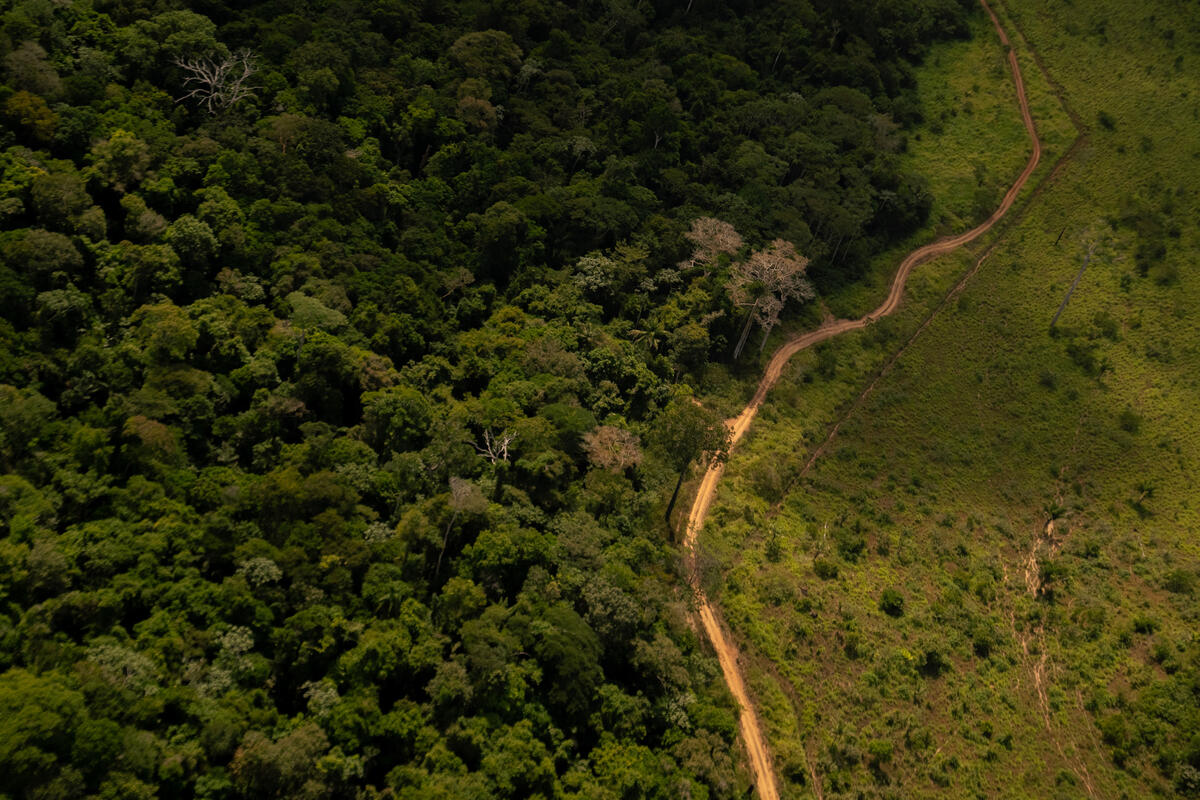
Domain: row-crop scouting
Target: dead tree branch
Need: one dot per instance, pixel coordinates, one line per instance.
(495, 446)
(218, 83)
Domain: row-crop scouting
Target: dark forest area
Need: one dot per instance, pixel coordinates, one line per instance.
(346, 351)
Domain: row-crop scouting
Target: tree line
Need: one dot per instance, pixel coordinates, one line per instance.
(346, 361)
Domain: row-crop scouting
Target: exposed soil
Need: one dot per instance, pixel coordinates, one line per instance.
(761, 763)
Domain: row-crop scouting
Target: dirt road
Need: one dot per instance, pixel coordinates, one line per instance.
(727, 653)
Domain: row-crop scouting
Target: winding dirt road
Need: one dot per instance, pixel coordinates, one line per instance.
(727, 653)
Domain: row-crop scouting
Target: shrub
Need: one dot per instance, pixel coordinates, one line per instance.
(1084, 356)
(852, 646)
(770, 478)
(827, 361)
(774, 549)
(825, 569)
(891, 603)
(1180, 581)
(934, 663)
(880, 751)
(1164, 274)
(983, 638)
(917, 738)
(1106, 325)
(850, 542)
(1129, 421)
(1150, 252)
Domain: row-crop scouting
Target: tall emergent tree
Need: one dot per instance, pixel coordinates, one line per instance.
(684, 431)
(764, 283)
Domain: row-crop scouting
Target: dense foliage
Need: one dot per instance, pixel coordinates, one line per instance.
(328, 452)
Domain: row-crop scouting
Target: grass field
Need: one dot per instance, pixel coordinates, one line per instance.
(987, 586)
(970, 148)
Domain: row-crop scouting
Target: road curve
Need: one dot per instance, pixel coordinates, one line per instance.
(727, 654)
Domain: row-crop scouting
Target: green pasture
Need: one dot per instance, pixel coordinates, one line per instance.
(884, 600)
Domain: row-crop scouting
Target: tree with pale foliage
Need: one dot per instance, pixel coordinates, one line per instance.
(764, 283)
(712, 239)
(612, 448)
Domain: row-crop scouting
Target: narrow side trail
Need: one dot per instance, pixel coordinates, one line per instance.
(727, 653)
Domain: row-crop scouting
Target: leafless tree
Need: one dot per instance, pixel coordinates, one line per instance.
(464, 496)
(457, 278)
(218, 83)
(495, 446)
(612, 448)
(712, 238)
(1097, 247)
(765, 282)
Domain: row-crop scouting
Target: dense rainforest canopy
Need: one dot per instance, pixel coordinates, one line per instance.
(337, 419)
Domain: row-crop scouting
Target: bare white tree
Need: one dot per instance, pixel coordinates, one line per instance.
(495, 445)
(712, 238)
(765, 282)
(218, 83)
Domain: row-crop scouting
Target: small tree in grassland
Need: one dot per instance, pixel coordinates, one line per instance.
(891, 602)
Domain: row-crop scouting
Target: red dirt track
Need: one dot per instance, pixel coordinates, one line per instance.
(727, 654)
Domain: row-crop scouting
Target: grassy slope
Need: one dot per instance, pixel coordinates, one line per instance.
(984, 429)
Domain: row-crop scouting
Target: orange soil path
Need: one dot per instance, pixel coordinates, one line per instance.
(727, 654)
